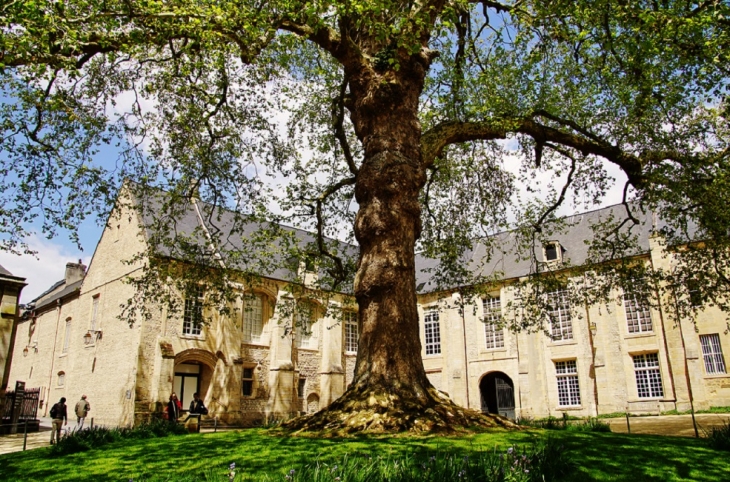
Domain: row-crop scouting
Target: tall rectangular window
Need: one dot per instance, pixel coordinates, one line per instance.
(648, 375)
(432, 330)
(351, 333)
(193, 314)
(568, 386)
(561, 324)
(493, 331)
(247, 382)
(303, 324)
(301, 387)
(66, 336)
(253, 318)
(638, 316)
(712, 353)
(94, 312)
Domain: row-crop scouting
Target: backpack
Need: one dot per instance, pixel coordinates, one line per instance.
(54, 410)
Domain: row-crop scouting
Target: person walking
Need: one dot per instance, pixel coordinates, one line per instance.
(59, 416)
(82, 408)
(173, 409)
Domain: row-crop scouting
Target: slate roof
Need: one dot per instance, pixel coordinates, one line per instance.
(54, 293)
(503, 263)
(230, 229)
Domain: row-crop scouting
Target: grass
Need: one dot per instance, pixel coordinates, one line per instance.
(258, 453)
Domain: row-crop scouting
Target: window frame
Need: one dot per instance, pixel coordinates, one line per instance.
(303, 327)
(245, 381)
(94, 311)
(493, 333)
(640, 312)
(249, 325)
(558, 252)
(192, 311)
(351, 331)
(712, 355)
(568, 382)
(647, 371)
(432, 331)
(66, 336)
(560, 311)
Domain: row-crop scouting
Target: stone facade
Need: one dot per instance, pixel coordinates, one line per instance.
(79, 346)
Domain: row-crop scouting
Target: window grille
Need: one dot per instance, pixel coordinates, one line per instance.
(193, 314)
(559, 314)
(247, 383)
(253, 318)
(712, 353)
(493, 331)
(648, 375)
(432, 330)
(568, 386)
(352, 337)
(638, 315)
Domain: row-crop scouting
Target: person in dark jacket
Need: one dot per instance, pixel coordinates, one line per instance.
(173, 409)
(197, 406)
(59, 416)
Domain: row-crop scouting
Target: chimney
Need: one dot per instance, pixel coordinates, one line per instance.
(74, 272)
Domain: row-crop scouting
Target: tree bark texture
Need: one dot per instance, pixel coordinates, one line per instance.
(390, 390)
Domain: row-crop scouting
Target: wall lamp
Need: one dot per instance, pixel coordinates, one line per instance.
(92, 335)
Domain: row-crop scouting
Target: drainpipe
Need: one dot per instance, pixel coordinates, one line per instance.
(53, 356)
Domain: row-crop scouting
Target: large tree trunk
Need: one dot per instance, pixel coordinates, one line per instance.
(390, 390)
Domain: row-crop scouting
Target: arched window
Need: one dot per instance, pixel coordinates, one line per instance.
(253, 317)
(61, 378)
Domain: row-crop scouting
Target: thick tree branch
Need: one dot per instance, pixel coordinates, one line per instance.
(434, 141)
(324, 37)
(339, 118)
(338, 273)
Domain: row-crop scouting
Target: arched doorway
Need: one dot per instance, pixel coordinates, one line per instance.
(498, 394)
(193, 373)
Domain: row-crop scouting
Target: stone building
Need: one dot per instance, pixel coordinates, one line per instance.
(248, 365)
(10, 288)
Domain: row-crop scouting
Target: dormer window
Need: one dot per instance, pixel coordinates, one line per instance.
(552, 252)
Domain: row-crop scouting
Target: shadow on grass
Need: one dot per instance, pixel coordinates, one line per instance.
(598, 456)
(605, 456)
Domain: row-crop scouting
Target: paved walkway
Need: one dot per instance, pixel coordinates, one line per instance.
(675, 425)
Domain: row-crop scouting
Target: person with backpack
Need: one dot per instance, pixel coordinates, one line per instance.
(58, 414)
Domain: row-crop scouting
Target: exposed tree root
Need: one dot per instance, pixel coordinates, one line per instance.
(356, 412)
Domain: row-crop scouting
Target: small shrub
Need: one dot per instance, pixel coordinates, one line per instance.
(719, 437)
(98, 436)
(590, 425)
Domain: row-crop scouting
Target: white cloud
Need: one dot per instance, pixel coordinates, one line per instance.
(42, 272)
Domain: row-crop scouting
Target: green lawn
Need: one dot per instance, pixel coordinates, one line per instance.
(599, 456)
